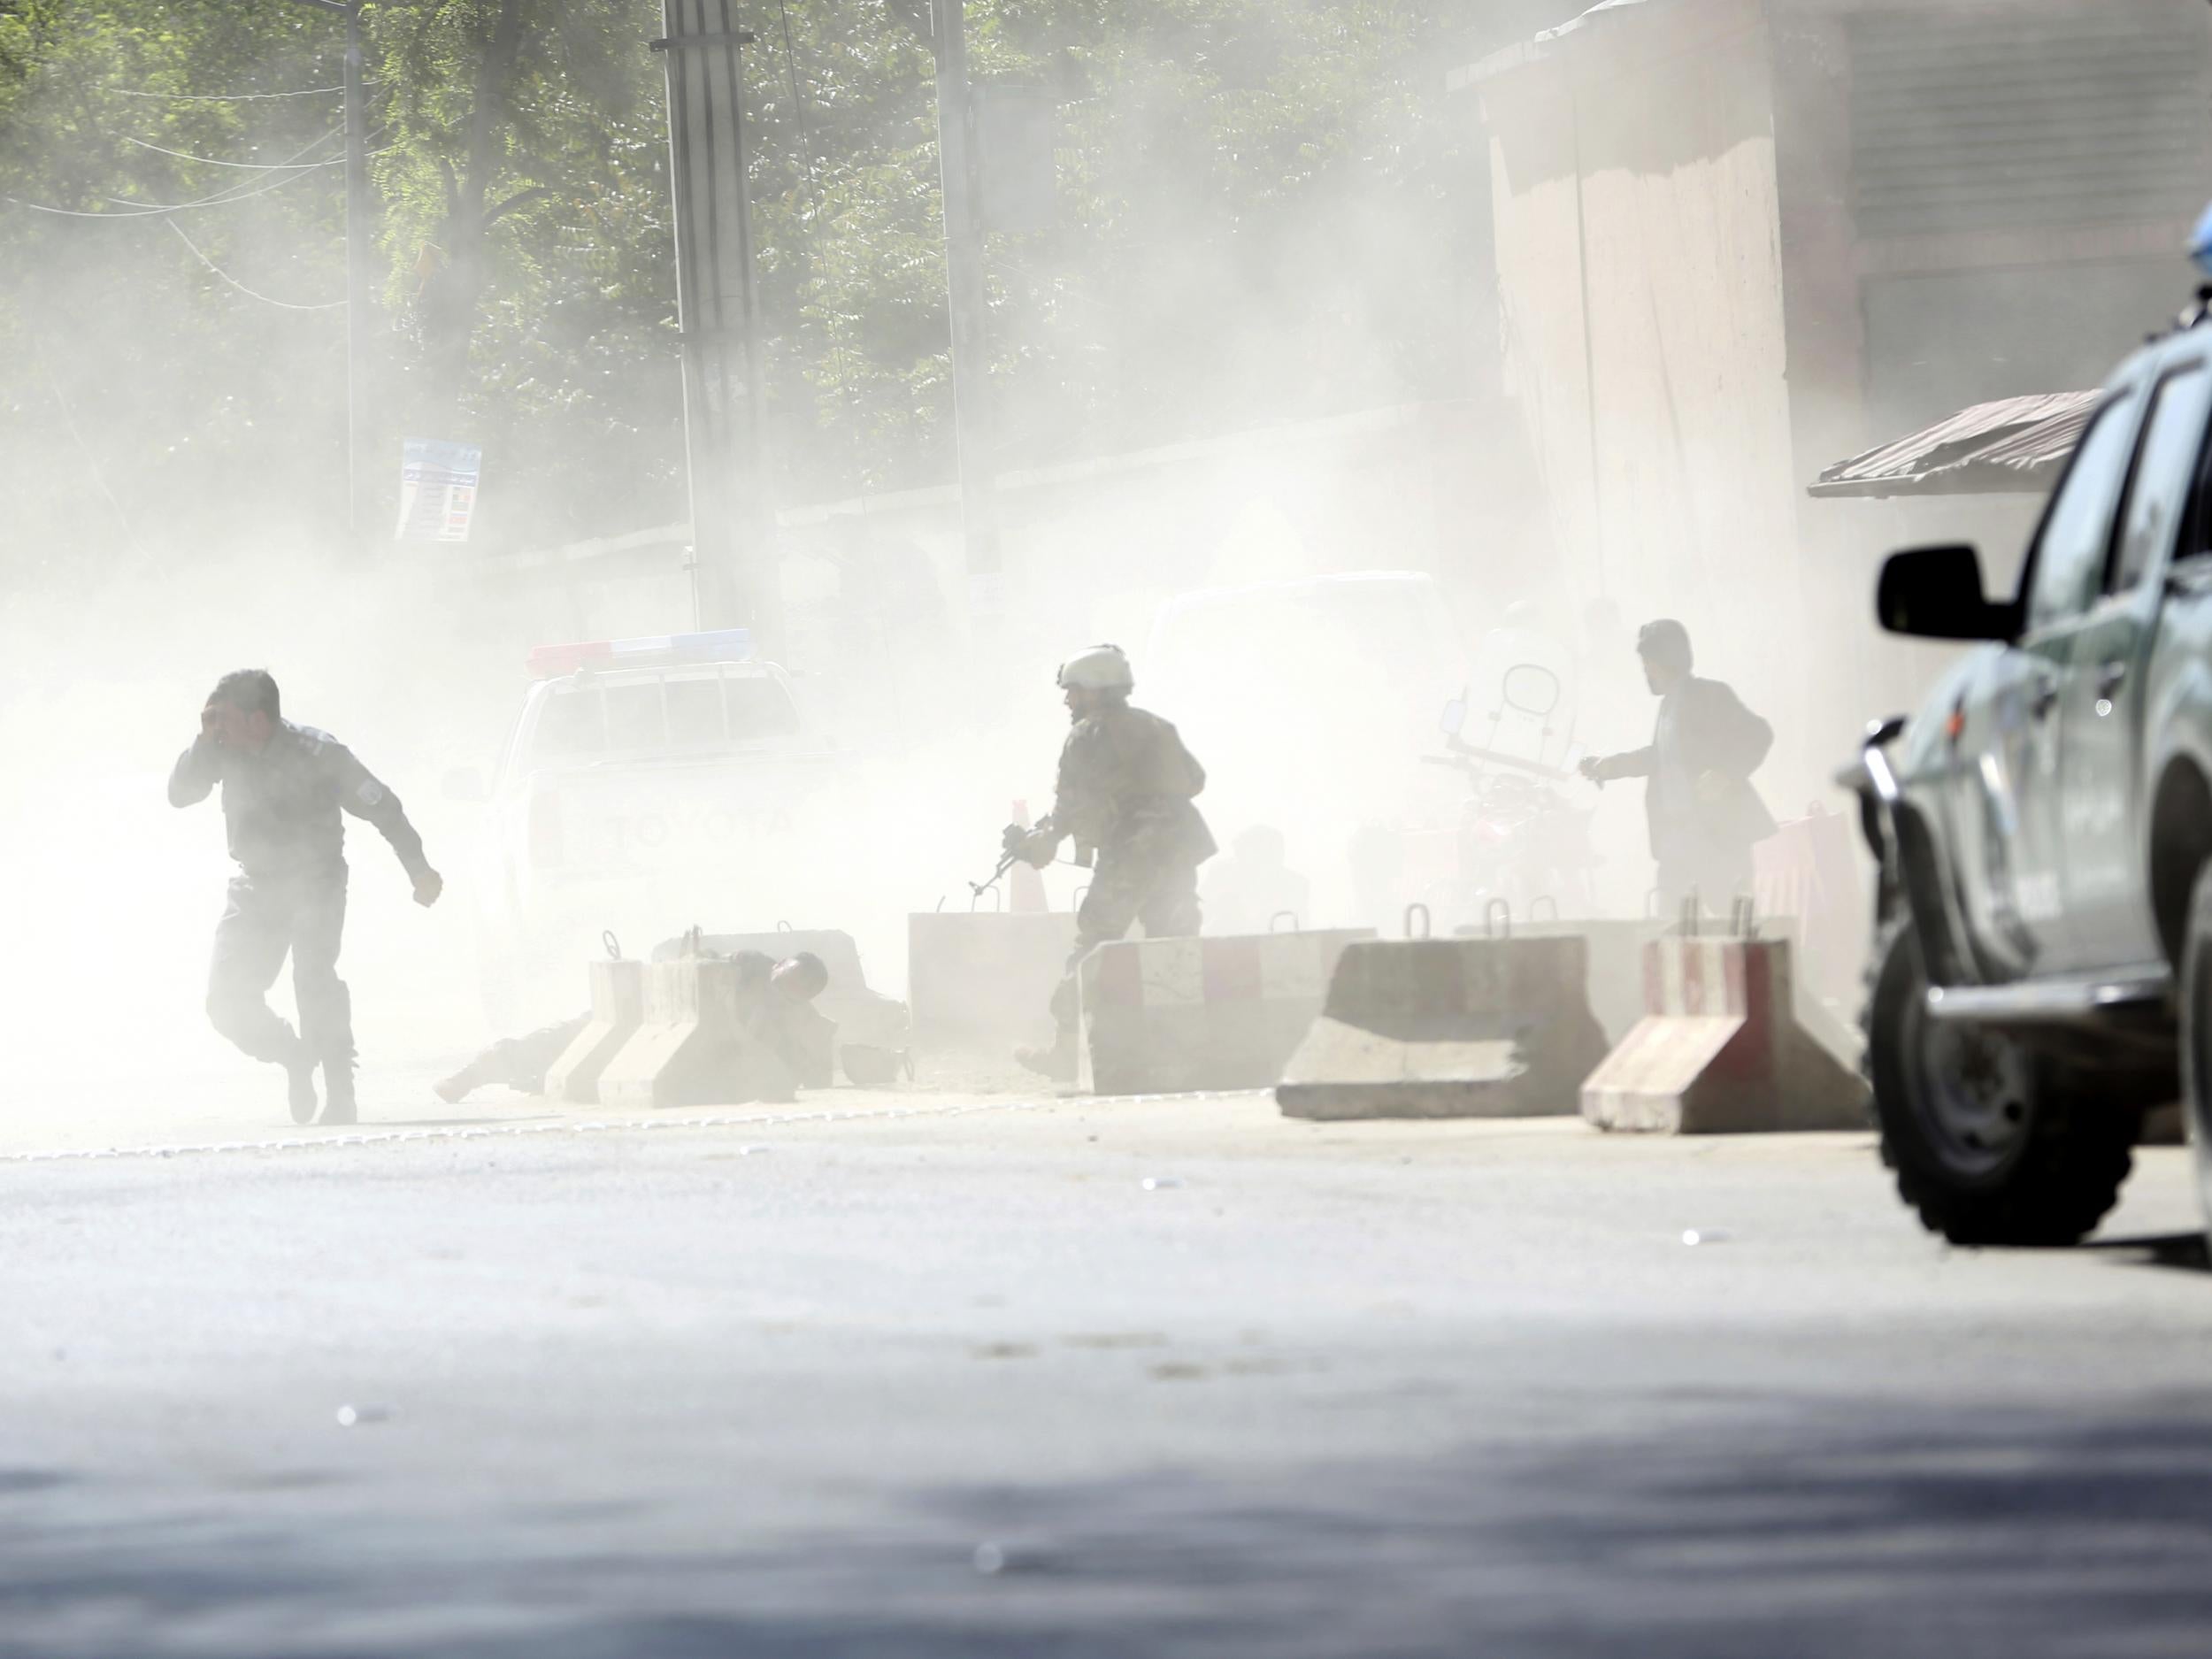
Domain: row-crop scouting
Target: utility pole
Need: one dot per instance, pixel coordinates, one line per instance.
(968, 302)
(717, 312)
(360, 464)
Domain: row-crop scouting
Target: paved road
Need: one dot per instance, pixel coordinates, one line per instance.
(958, 1380)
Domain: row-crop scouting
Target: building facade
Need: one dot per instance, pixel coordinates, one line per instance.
(1738, 239)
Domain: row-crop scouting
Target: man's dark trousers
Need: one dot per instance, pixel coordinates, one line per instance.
(267, 917)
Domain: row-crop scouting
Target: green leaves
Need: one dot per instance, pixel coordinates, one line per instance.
(1253, 224)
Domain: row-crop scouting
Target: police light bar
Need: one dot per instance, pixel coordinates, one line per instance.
(717, 645)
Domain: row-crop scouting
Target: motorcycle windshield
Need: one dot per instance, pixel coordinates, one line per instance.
(1521, 698)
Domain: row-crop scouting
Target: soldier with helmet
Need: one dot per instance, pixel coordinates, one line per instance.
(1124, 796)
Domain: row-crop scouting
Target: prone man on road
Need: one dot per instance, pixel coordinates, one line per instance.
(284, 787)
(790, 1044)
(1126, 790)
(1704, 814)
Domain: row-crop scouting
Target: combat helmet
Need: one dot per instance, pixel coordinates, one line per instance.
(801, 978)
(1098, 668)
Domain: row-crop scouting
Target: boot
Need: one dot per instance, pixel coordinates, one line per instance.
(338, 1107)
(1057, 1062)
(299, 1076)
(455, 1089)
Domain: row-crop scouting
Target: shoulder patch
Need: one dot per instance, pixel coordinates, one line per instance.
(370, 792)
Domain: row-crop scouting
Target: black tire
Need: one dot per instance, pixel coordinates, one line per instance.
(2196, 1037)
(1992, 1143)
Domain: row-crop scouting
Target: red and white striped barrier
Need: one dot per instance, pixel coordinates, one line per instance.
(1719, 1049)
(1174, 1016)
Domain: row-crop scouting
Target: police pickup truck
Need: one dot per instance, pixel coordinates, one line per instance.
(2043, 957)
(645, 785)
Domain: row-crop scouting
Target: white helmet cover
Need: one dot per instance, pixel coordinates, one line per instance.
(1100, 668)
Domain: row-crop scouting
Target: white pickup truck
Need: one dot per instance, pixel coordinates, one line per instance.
(646, 785)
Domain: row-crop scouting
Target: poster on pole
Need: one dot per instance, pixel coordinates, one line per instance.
(437, 489)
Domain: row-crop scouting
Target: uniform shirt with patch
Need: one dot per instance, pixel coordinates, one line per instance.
(283, 806)
(1127, 785)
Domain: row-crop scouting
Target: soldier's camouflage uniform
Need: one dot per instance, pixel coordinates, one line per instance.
(280, 813)
(1126, 794)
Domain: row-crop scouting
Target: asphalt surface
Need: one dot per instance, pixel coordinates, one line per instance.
(948, 1373)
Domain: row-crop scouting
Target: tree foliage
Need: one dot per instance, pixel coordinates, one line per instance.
(1258, 220)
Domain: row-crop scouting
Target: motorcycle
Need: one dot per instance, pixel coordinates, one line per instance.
(1521, 838)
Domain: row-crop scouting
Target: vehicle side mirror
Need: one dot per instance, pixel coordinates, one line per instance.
(467, 784)
(1454, 718)
(1935, 593)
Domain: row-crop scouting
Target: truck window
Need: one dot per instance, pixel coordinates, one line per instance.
(695, 713)
(569, 724)
(759, 708)
(2165, 473)
(633, 717)
(2069, 553)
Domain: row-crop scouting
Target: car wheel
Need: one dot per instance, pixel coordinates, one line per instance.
(2196, 1036)
(1992, 1143)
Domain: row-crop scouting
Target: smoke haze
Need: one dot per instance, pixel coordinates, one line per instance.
(1268, 345)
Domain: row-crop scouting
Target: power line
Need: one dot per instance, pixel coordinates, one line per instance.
(266, 299)
(211, 161)
(798, 105)
(241, 191)
(224, 97)
(135, 209)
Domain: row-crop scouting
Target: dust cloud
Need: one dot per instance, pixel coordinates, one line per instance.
(1349, 528)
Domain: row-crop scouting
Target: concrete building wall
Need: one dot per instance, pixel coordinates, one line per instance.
(1695, 320)
(1641, 271)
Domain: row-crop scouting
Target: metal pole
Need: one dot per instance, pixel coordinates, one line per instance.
(359, 462)
(698, 464)
(734, 572)
(967, 301)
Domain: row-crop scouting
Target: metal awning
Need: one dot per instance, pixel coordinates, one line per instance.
(2014, 445)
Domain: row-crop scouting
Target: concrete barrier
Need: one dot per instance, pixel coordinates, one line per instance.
(1492, 1027)
(1170, 1016)
(1616, 976)
(863, 1016)
(618, 1009)
(1613, 977)
(688, 1049)
(983, 978)
(1720, 1050)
